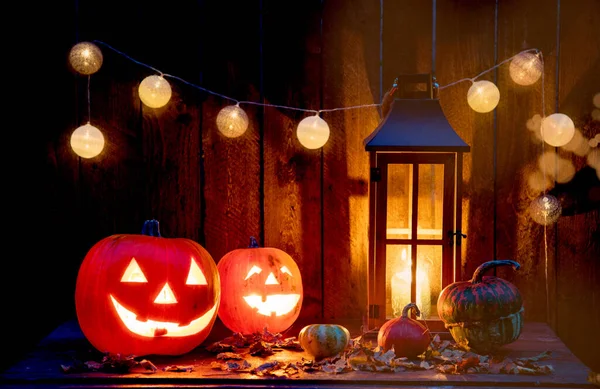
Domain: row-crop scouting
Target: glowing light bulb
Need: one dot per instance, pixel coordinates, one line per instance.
(545, 209)
(87, 141)
(526, 68)
(232, 121)
(313, 132)
(557, 129)
(154, 91)
(85, 58)
(483, 96)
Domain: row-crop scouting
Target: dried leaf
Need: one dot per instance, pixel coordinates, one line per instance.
(229, 355)
(537, 358)
(179, 369)
(261, 349)
(467, 363)
(289, 343)
(230, 365)
(265, 368)
(218, 347)
(146, 364)
(339, 366)
(384, 358)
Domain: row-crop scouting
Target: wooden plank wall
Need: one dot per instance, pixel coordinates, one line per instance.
(172, 164)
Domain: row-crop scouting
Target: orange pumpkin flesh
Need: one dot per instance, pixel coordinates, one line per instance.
(262, 288)
(145, 294)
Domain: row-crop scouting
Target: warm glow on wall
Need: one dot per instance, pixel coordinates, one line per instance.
(313, 132)
(557, 129)
(232, 121)
(87, 141)
(483, 96)
(85, 58)
(154, 91)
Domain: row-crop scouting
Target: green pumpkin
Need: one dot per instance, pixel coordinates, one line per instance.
(484, 313)
(324, 340)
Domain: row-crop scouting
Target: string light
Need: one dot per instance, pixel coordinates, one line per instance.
(154, 91)
(87, 141)
(85, 58)
(232, 121)
(557, 129)
(313, 132)
(483, 96)
(525, 68)
(545, 209)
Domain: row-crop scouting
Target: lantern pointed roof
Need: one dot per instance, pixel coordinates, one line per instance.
(415, 125)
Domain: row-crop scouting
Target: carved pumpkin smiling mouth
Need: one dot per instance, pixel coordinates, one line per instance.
(277, 304)
(152, 328)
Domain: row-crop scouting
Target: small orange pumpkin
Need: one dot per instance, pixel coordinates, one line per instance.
(408, 337)
(262, 288)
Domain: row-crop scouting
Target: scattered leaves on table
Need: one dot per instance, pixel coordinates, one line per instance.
(110, 363)
(443, 356)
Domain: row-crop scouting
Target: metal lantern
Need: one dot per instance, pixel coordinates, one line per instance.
(414, 203)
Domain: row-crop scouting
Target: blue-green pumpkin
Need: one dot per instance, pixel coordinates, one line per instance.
(484, 313)
(324, 340)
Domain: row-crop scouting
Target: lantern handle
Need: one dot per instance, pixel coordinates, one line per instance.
(478, 274)
(408, 307)
(151, 228)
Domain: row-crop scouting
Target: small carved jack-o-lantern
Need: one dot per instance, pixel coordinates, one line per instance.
(145, 294)
(262, 288)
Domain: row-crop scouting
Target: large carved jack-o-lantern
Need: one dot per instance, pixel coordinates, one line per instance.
(145, 294)
(262, 288)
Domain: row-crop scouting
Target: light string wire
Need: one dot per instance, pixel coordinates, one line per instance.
(315, 111)
(544, 174)
(89, 105)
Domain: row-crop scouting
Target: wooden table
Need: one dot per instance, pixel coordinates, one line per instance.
(41, 369)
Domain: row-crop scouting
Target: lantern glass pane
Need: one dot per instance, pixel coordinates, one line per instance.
(430, 201)
(399, 201)
(398, 271)
(429, 279)
(399, 279)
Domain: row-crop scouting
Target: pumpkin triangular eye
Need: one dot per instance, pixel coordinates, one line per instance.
(195, 276)
(133, 273)
(255, 270)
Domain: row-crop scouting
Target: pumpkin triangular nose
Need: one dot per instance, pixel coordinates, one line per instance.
(165, 296)
(271, 280)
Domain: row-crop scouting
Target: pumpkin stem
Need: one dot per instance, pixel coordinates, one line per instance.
(151, 228)
(408, 307)
(253, 243)
(478, 275)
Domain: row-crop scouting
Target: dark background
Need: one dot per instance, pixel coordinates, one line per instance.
(172, 164)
